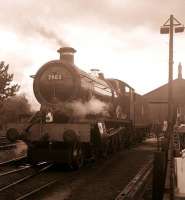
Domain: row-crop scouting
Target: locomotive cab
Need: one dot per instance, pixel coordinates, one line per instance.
(125, 99)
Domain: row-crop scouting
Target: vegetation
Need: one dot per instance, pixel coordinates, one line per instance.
(6, 88)
(15, 109)
(12, 107)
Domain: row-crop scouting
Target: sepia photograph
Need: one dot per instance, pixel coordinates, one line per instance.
(92, 100)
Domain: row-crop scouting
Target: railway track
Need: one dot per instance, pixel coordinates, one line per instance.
(2, 138)
(137, 185)
(24, 181)
(12, 161)
(5, 143)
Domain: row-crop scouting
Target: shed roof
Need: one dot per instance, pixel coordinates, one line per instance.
(161, 93)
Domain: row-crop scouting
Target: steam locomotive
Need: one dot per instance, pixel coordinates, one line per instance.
(82, 115)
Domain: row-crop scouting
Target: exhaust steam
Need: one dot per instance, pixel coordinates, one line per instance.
(81, 109)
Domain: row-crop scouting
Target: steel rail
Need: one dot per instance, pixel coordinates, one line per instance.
(36, 190)
(12, 160)
(25, 178)
(15, 170)
(7, 146)
(2, 138)
(137, 183)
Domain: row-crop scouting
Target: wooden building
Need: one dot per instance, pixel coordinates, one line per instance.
(158, 100)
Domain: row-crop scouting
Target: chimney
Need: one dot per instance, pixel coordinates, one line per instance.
(179, 71)
(67, 54)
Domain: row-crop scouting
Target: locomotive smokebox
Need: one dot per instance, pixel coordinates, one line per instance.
(67, 54)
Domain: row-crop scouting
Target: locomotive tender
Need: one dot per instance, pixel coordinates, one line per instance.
(81, 115)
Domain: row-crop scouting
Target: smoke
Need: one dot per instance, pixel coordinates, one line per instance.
(48, 34)
(80, 109)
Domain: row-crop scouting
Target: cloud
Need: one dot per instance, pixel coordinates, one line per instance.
(56, 14)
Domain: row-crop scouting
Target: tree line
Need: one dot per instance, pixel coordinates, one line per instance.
(12, 106)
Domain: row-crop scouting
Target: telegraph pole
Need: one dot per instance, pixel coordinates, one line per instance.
(168, 28)
(170, 78)
(170, 106)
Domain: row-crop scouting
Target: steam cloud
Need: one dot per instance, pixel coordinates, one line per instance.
(94, 106)
(80, 109)
(48, 34)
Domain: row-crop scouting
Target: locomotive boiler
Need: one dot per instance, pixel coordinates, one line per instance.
(59, 82)
(81, 115)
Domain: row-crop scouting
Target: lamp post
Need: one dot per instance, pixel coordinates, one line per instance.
(168, 28)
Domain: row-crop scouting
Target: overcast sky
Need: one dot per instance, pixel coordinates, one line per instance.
(120, 37)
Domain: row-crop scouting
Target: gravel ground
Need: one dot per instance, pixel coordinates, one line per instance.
(102, 180)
